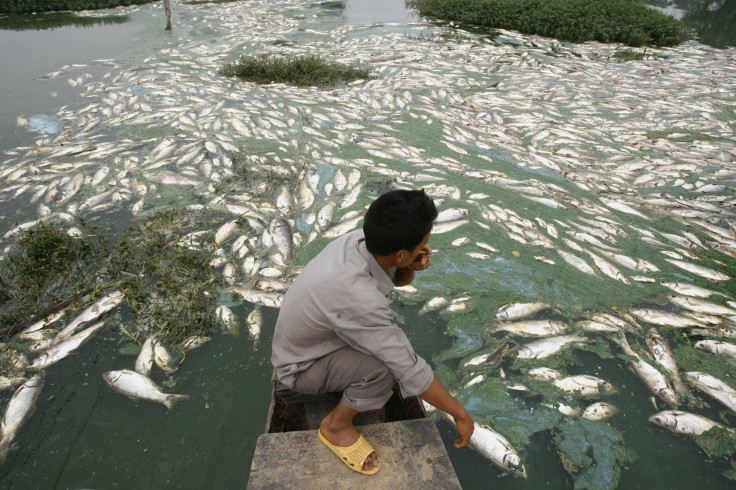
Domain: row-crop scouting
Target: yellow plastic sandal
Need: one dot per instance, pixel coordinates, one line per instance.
(353, 456)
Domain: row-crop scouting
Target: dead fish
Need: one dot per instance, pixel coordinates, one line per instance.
(62, 349)
(683, 422)
(281, 233)
(539, 349)
(144, 361)
(69, 188)
(516, 311)
(533, 328)
(599, 411)
(19, 409)
(496, 448)
(96, 310)
(138, 387)
(585, 385)
(717, 347)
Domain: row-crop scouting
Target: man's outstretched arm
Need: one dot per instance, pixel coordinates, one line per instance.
(438, 396)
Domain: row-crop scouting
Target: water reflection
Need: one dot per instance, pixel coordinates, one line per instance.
(56, 20)
(713, 20)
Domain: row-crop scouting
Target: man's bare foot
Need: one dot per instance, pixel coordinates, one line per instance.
(344, 437)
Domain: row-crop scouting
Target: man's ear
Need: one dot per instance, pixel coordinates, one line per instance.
(398, 257)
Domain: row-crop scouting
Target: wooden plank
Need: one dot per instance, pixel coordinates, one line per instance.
(411, 451)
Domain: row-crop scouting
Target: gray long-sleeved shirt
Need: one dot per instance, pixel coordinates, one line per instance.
(339, 299)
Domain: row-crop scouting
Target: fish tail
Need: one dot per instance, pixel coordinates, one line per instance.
(171, 399)
(5, 446)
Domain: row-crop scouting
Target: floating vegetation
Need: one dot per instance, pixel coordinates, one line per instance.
(717, 442)
(170, 287)
(608, 21)
(31, 6)
(37, 273)
(441, 37)
(629, 55)
(301, 71)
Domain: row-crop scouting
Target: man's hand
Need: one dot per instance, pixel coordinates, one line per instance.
(465, 427)
(422, 261)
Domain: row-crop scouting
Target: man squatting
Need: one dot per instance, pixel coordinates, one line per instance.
(335, 331)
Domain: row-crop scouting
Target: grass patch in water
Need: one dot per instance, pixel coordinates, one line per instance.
(609, 21)
(36, 274)
(171, 288)
(629, 55)
(442, 37)
(301, 71)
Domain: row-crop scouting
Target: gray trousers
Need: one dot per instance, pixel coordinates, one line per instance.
(366, 382)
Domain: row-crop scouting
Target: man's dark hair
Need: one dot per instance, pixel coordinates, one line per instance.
(398, 220)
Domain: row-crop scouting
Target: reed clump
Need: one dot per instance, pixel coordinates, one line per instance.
(301, 71)
(609, 21)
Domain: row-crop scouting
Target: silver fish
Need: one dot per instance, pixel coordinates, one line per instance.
(96, 310)
(144, 360)
(584, 385)
(496, 448)
(599, 411)
(717, 347)
(281, 233)
(655, 381)
(19, 409)
(516, 311)
(255, 322)
(660, 349)
(714, 387)
(60, 350)
(699, 270)
(136, 386)
(69, 188)
(539, 349)
(683, 422)
(665, 318)
(533, 328)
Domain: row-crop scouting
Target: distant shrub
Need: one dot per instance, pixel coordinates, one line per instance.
(29, 6)
(300, 71)
(622, 21)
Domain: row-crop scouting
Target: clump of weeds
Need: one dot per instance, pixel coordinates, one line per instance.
(301, 71)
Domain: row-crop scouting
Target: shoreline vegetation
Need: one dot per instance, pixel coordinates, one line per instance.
(31, 6)
(609, 21)
(301, 71)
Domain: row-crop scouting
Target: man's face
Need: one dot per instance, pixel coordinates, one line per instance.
(409, 256)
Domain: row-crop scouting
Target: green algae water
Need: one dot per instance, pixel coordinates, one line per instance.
(84, 434)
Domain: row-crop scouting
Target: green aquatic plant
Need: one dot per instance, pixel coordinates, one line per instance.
(171, 288)
(609, 21)
(30, 6)
(629, 55)
(301, 71)
(45, 267)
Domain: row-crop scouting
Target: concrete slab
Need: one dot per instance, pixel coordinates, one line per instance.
(411, 451)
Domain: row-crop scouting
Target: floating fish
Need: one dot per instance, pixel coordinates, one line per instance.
(138, 387)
